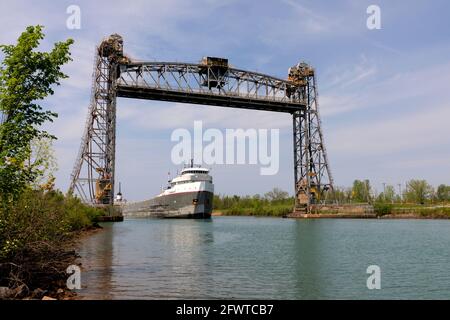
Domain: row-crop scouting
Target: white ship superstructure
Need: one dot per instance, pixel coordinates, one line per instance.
(188, 195)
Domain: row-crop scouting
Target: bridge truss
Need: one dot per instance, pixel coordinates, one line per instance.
(210, 82)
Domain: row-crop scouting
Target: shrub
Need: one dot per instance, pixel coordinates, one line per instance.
(382, 209)
(39, 216)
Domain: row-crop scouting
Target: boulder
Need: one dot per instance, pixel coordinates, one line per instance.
(38, 293)
(20, 292)
(6, 293)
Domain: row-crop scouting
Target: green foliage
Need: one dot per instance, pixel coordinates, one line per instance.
(435, 212)
(43, 159)
(361, 191)
(274, 203)
(266, 211)
(443, 193)
(341, 195)
(382, 209)
(26, 76)
(418, 191)
(39, 216)
(388, 195)
(276, 195)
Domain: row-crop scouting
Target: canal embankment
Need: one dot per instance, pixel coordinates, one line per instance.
(347, 211)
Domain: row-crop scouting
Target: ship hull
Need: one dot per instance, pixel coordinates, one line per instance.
(196, 205)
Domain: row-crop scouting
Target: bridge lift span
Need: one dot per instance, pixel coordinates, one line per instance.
(210, 82)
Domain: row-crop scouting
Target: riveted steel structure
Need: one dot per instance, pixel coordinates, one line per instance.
(210, 82)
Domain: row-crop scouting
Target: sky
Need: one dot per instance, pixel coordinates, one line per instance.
(384, 94)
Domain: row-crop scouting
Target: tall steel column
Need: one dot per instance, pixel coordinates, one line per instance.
(93, 174)
(312, 174)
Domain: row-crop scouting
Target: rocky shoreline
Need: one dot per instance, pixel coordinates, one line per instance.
(52, 283)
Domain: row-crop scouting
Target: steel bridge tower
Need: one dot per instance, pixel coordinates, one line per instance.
(312, 174)
(210, 82)
(93, 174)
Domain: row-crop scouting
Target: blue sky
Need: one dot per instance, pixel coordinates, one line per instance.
(384, 94)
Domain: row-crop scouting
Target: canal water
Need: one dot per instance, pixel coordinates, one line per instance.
(266, 258)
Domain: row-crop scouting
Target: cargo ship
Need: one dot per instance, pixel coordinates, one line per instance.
(188, 195)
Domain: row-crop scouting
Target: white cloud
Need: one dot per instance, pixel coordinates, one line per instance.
(393, 91)
(311, 22)
(409, 132)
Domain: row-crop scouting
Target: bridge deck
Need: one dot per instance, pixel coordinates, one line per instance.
(232, 101)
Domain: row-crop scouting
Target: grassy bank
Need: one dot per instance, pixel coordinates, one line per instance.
(271, 210)
(414, 210)
(37, 234)
(276, 203)
(250, 206)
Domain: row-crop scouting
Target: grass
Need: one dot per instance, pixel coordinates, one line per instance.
(272, 210)
(425, 211)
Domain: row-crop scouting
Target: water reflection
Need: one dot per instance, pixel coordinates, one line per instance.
(308, 258)
(185, 263)
(96, 276)
(265, 258)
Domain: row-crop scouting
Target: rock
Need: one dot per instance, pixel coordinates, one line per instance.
(21, 291)
(38, 293)
(6, 292)
(48, 298)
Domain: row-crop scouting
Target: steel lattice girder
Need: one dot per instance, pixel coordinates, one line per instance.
(184, 82)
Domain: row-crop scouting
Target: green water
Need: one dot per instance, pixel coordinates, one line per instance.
(266, 258)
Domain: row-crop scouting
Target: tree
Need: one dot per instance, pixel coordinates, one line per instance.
(341, 194)
(418, 191)
(388, 195)
(276, 195)
(443, 193)
(43, 160)
(26, 77)
(361, 191)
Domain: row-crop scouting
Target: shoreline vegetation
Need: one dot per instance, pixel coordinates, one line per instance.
(38, 241)
(418, 201)
(401, 212)
(39, 226)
